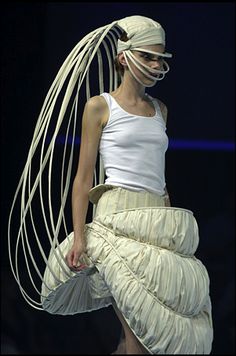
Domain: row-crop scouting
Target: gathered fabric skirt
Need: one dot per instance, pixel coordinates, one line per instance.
(139, 254)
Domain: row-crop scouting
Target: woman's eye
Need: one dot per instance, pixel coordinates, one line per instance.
(150, 58)
(146, 56)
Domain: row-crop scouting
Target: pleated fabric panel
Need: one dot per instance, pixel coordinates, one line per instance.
(143, 257)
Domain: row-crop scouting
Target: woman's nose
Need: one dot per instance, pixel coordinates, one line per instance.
(156, 64)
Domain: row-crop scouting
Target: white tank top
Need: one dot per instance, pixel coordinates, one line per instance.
(133, 148)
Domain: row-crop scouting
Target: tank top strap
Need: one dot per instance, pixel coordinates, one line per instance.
(156, 106)
(154, 101)
(108, 99)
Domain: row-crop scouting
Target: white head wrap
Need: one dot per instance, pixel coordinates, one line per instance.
(140, 31)
(41, 194)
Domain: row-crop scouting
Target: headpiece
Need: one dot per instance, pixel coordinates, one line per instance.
(49, 166)
(143, 31)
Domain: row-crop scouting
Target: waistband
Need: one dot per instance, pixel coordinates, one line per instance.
(110, 199)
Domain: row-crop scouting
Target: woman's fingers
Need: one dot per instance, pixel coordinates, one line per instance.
(73, 257)
(79, 268)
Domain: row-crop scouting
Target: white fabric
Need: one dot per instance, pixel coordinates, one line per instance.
(142, 257)
(133, 149)
(141, 31)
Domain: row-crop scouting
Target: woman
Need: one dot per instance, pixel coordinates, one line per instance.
(138, 252)
(131, 97)
(115, 124)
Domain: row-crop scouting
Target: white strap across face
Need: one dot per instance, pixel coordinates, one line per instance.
(160, 54)
(146, 70)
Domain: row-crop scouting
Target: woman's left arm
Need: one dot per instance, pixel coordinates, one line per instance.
(164, 112)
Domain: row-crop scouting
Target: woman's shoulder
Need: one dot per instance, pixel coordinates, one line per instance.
(96, 107)
(161, 104)
(163, 108)
(96, 103)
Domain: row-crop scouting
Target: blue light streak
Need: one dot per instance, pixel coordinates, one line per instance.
(204, 145)
(174, 144)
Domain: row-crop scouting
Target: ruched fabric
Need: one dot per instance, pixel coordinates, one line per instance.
(140, 254)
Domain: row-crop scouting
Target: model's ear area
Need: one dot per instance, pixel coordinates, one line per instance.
(122, 59)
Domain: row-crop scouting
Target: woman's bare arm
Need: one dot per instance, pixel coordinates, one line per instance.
(164, 112)
(92, 123)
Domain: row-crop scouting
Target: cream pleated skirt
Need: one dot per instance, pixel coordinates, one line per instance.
(140, 254)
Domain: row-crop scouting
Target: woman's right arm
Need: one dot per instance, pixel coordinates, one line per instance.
(92, 122)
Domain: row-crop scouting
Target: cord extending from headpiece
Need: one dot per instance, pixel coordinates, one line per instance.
(40, 186)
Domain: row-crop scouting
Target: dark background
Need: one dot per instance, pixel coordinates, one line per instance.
(199, 93)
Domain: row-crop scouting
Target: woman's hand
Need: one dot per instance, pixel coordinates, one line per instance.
(74, 254)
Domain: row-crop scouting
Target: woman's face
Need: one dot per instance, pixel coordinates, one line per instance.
(153, 61)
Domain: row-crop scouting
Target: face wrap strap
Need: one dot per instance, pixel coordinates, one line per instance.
(141, 66)
(159, 54)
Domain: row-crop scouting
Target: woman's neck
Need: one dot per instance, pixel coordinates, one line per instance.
(130, 90)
